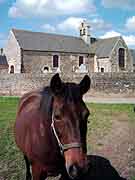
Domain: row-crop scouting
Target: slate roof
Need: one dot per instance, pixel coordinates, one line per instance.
(103, 47)
(50, 42)
(133, 55)
(3, 60)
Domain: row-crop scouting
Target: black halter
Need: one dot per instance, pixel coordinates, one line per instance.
(63, 147)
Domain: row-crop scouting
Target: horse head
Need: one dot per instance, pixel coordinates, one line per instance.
(69, 122)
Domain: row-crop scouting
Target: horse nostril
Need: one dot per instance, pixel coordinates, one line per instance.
(73, 171)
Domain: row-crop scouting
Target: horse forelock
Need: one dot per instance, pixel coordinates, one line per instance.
(70, 93)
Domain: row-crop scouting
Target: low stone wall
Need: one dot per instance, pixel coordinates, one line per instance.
(116, 84)
(119, 84)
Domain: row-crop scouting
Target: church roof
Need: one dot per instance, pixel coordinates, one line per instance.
(133, 55)
(103, 47)
(3, 60)
(40, 41)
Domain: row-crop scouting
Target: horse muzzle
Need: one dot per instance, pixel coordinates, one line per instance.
(76, 162)
(73, 171)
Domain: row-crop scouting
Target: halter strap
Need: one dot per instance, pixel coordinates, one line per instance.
(63, 147)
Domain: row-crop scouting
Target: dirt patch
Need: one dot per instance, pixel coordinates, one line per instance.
(118, 146)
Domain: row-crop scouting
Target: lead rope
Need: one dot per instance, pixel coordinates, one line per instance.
(56, 135)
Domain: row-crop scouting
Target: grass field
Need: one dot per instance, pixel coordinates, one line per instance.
(11, 161)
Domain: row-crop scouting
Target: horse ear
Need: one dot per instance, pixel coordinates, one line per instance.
(56, 84)
(85, 84)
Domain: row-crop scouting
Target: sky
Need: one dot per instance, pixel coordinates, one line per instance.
(107, 18)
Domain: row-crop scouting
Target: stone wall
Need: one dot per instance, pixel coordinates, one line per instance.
(3, 70)
(35, 61)
(122, 84)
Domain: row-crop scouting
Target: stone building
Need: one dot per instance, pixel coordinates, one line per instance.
(36, 52)
(133, 55)
(111, 55)
(3, 62)
(41, 52)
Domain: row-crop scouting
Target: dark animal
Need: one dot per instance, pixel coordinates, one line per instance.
(99, 168)
(51, 127)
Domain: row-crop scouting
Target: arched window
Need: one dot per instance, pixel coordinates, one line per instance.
(80, 32)
(81, 60)
(102, 70)
(12, 69)
(55, 61)
(121, 57)
(45, 69)
(84, 31)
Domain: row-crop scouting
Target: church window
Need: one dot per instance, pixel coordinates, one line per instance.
(55, 61)
(121, 57)
(84, 31)
(12, 69)
(81, 60)
(80, 32)
(102, 70)
(45, 69)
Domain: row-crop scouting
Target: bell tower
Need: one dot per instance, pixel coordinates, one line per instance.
(85, 32)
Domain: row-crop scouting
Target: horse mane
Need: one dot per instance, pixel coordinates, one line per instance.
(46, 101)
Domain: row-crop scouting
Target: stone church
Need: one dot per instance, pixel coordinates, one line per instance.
(38, 52)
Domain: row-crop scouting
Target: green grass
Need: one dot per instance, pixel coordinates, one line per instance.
(102, 116)
(11, 161)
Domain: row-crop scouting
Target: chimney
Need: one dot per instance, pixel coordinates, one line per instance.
(1, 51)
(85, 32)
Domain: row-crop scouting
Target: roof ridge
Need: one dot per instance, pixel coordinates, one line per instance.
(110, 38)
(50, 34)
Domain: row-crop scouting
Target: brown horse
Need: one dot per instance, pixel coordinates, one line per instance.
(51, 128)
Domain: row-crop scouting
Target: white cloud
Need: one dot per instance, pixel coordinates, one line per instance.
(99, 24)
(50, 8)
(14, 12)
(74, 5)
(129, 39)
(123, 4)
(110, 34)
(130, 24)
(71, 23)
(48, 28)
